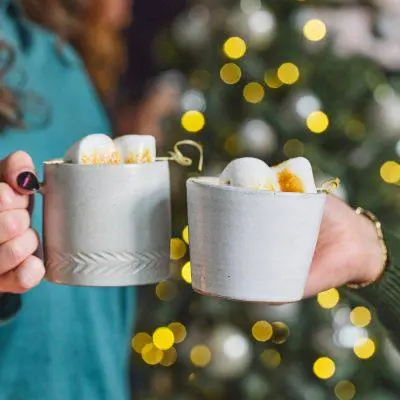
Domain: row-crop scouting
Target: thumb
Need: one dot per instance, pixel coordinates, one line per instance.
(18, 171)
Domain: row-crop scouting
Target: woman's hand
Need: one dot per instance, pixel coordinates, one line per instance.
(20, 270)
(348, 250)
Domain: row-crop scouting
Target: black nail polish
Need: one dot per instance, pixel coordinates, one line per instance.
(28, 181)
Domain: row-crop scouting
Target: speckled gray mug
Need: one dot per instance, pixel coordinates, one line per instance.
(106, 225)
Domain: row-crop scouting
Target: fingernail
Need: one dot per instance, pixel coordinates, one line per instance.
(28, 181)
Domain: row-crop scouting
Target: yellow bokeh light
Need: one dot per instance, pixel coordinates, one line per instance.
(324, 368)
(140, 340)
(200, 355)
(169, 357)
(364, 349)
(360, 316)
(232, 145)
(390, 172)
(271, 79)
(262, 331)
(280, 332)
(253, 92)
(163, 338)
(178, 330)
(288, 73)
(166, 290)
(293, 148)
(186, 273)
(271, 358)
(317, 122)
(235, 47)
(345, 390)
(329, 298)
(178, 249)
(230, 73)
(185, 234)
(151, 354)
(314, 30)
(193, 121)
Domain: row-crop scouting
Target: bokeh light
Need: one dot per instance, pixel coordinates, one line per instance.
(140, 340)
(390, 172)
(345, 390)
(178, 249)
(179, 331)
(360, 316)
(288, 73)
(365, 348)
(200, 355)
(280, 332)
(314, 30)
(193, 121)
(169, 357)
(253, 92)
(185, 234)
(271, 358)
(293, 148)
(324, 368)
(329, 298)
(166, 290)
(262, 331)
(151, 354)
(230, 73)
(235, 47)
(317, 122)
(271, 79)
(186, 273)
(163, 338)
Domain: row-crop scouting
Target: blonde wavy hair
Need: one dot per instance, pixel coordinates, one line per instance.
(80, 23)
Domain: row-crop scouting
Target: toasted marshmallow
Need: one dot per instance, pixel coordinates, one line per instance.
(250, 173)
(93, 149)
(295, 175)
(136, 149)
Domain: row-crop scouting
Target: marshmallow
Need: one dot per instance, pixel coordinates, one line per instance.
(251, 173)
(136, 149)
(93, 150)
(295, 175)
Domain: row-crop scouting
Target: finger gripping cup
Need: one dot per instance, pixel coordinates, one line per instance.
(251, 245)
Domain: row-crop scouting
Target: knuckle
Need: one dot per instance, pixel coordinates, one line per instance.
(6, 198)
(16, 252)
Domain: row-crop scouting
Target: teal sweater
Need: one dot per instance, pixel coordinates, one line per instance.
(65, 342)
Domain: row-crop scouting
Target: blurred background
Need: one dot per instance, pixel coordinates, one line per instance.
(269, 79)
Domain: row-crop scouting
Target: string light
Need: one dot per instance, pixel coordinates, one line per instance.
(324, 368)
(200, 355)
(186, 273)
(253, 92)
(169, 357)
(151, 354)
(314, 30)
(235, 47)
(364, 349)
(163, 338)
(166, 290)
(262, 331)
(271, 358)
(360, 316)
(288, 73)
(178, 330)
(271, 79)
(193, 121)
(293, 148)
(178, 249)
(185, 234)
(140, 340)
(230, 73)
(317, 122)
(280, 332)
(328, 299)
(390, 172)
(345, 390)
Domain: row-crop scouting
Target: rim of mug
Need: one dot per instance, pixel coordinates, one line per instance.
(212, 182)
(60, 161)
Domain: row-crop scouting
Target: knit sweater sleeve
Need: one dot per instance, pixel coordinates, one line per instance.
(384, 295)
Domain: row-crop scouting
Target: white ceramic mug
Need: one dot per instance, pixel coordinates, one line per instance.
(251, 245)
(106, 225)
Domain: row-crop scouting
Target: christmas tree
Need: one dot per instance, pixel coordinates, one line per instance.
(273, 80)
